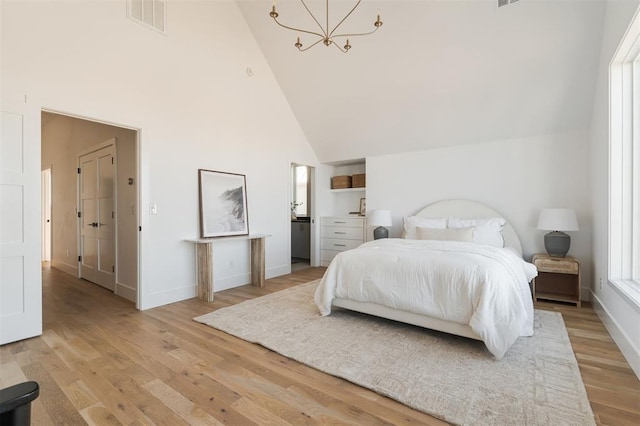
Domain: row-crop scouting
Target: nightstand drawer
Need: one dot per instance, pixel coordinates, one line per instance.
(354, 222)
(342, 233)
(338, 244)
(560, 266)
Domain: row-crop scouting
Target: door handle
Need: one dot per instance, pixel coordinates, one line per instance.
(94, 224)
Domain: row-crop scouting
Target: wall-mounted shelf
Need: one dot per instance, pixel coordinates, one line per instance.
(348, 190)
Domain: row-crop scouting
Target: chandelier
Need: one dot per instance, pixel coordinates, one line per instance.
(325, 36)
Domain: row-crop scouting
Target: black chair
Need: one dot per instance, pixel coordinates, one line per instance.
(15, 403)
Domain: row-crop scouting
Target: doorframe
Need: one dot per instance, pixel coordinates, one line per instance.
(45, 195)
(140, 152)
(311, 195)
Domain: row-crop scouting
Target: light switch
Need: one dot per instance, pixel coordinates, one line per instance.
(154, 208)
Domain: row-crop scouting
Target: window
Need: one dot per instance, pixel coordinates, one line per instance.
(624, 167)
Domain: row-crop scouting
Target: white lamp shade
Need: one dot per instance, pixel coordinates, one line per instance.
(558, 220)
(379, 218)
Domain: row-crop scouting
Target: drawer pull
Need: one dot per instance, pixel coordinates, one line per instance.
(340, 233)
(338, 222)
(340, 245)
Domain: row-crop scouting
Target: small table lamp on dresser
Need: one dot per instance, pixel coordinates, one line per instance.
(556, 242)
(379, 218)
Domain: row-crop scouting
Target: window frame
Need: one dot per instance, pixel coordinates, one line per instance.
(624, 165)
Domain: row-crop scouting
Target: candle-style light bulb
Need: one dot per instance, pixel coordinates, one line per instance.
(378, 22)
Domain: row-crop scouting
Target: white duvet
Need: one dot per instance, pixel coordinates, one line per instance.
(478, 285)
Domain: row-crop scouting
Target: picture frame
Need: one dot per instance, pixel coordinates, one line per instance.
(223, 204)
(363, 206)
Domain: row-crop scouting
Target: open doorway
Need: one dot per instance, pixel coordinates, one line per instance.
(65, 139)
(301, 216)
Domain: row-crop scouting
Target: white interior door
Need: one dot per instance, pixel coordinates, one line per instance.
(46, 215)
(20, 270)
(96, 200)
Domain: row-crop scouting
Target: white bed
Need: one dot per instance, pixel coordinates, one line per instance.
(448, 208)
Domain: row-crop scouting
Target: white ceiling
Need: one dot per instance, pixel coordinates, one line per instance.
(437, 73)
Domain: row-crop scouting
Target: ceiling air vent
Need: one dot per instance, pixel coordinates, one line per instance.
(506, 2)
(150, 13)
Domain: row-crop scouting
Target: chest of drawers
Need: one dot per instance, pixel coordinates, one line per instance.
(338, 234)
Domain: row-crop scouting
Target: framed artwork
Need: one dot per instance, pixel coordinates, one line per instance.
(223, 204)
(363, 206)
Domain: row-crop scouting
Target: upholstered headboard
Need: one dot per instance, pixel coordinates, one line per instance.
(468, 209)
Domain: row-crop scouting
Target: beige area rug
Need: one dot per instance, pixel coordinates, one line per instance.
(449, 377)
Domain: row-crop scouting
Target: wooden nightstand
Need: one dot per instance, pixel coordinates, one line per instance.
(558, 279)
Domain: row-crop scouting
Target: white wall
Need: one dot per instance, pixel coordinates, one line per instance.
(63, 138)
(517, 178)
(195, 105)
(619, 314)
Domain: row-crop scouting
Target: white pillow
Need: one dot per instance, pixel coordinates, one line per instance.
(451, 234)
(413, 222)
(488, 231)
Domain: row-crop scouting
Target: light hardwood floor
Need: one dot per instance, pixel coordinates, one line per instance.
(100, 361)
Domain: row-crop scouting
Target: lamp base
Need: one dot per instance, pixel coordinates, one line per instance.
(557, 243)
(380, 232)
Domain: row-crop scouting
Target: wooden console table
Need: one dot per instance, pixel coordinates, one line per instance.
(204, 256)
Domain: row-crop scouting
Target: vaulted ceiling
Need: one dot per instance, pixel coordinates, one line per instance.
(437, 73)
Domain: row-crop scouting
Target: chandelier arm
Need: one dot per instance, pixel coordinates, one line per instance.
(340, 48)
(307, 48)
(298, 29)
(355, 35)
(343, 19)
(324, 31)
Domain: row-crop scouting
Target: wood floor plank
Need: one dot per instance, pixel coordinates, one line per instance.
(191, 413)
(58, 407)
(100, 361)
(99, 415)
(80, 395)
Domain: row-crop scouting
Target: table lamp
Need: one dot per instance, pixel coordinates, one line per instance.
(556, 242)
(379, 218)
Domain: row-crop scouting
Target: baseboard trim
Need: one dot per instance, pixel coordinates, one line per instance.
(629, 351)
(233, 281)
(175, 295)
(126, 292)
(245, 278)
(154, 300)
(65, 267)
(278, 271)
(585, 293)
